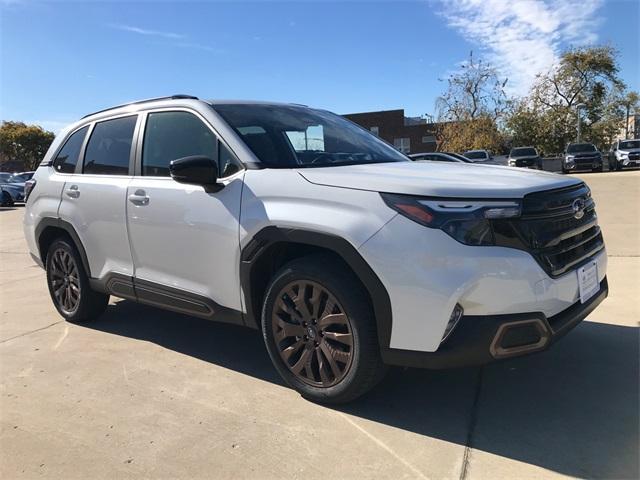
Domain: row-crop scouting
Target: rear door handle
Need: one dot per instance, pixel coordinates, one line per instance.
(139, 198)
(72, 191)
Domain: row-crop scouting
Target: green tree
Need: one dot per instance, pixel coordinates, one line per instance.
(547, 117)
(25, 143)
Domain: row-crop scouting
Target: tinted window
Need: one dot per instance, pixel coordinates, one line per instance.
(109, 147)
(228, 165)
(172, 135)
(67, 158)
(286, 136)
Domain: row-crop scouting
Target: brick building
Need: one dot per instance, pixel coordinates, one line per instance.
(407, 134)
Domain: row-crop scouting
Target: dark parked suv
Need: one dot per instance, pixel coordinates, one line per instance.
(525, 157)
(581, 156)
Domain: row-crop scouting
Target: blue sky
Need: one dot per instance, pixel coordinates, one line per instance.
(61, 60)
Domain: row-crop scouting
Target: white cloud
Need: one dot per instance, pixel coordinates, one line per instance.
(144, 31)
(523, 37)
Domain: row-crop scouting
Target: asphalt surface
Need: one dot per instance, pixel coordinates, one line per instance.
(147, 393)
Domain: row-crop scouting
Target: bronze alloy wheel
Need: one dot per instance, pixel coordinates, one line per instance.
(312, 333)
(65, 281)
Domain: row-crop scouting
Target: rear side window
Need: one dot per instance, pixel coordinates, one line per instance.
(67, 158)
(172, 135)
(109, 147)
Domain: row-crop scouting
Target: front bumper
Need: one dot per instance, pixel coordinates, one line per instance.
(478, 340)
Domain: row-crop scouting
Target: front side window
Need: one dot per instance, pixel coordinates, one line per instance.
(109, 147)
(67, 158)
(402, 144)
(292, 136)
(172, 135)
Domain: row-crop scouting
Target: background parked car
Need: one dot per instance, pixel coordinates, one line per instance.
(624, 153)
(581, 156)
(526, 157)
(13, 190)
(435, 157)
(478, 155)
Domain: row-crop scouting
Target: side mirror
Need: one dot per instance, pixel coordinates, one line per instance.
(195, 170)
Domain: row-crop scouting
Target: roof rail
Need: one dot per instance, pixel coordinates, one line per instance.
(170, 97)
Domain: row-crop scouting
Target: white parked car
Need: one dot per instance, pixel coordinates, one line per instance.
(624, 153)
(293, 220)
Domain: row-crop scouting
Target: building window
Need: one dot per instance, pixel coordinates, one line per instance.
(402, 144)
(375, 131)
(429, 139)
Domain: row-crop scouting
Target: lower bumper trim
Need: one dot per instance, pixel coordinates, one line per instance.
(478, 340)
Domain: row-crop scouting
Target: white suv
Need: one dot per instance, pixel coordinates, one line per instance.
(292, 220)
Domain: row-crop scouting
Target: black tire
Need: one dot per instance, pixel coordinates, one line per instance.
(65, 271)
(365, 368)
(599, 169)
(6, 200)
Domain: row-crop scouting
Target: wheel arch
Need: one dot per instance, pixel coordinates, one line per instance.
(49, 229)
(273, 246)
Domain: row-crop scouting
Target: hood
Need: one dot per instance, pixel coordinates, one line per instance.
(523, 157)
(438, 179)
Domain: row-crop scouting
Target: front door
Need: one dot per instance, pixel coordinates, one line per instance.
(184, 240)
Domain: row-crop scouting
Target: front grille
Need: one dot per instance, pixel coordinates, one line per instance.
(550, 231)
(634, 156)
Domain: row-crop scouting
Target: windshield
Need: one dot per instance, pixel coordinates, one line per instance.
(523, 152)
(291, 136)
(581, 147)
(629, 144)
(476, 155)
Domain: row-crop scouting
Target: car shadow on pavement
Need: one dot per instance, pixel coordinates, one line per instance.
(571, 410)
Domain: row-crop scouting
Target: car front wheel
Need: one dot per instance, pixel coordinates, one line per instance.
(319, 330)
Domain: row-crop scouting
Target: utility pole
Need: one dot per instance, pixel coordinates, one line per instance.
(626, 123)
(579, 108)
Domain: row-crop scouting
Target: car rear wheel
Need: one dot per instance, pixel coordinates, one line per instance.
(69, 284)
(319, 329)
(6, 200)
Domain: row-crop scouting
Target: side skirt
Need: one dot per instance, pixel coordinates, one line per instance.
(167, 298)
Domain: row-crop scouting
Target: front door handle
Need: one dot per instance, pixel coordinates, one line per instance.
(139, 198)
(72, 191)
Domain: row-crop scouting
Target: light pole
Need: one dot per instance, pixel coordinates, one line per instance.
(579, 107)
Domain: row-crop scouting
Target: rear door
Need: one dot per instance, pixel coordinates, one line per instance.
(94, 195)
(185, 241)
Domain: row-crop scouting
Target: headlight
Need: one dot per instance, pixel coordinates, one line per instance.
(468, 222)
(569, 158)
(623, 154)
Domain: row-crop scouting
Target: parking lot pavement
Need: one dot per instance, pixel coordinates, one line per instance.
(143, 392)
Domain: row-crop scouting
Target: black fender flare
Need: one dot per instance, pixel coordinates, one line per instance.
(271, 235)
(68, 228)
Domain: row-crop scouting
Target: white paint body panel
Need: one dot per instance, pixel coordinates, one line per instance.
(440, 179)
(186, 238)
(284, 198)
(99, 218)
